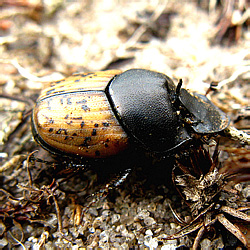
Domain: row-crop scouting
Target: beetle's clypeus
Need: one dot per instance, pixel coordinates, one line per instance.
(96, 115)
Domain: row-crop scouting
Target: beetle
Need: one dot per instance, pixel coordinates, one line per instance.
(98, 115)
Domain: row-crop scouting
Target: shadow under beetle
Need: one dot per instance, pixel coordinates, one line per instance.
(97, 115)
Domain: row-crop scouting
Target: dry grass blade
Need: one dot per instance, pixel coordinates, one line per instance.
(236, 213)
(232, 228)
(186, 230)
(198, 237)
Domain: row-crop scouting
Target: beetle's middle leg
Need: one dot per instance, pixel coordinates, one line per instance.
(112, 184)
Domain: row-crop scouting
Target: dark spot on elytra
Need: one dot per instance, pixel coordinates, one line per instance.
(75, 134)
(97, 153)
(59, 81)
(51, 129)
(49, 104)
(77, 118)
(105, 124)
(77, 80)
(69, 101)
(82, 101)
(61, 101)
(94, 132)
(66, 117)
(107, 140)
(61, 130)
(68, 137)
(96, 125)
(106, 145)
(86, 141)
(85, 108)
(82, 124)
(70, 122)
(85, 74)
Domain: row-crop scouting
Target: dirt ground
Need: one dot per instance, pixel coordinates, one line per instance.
(200, 42)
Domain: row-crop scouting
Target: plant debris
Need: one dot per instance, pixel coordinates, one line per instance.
(210, 196)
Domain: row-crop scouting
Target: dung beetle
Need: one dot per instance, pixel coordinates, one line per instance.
(97, 115)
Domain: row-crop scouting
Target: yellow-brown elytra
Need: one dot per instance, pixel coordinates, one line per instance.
(97, 115)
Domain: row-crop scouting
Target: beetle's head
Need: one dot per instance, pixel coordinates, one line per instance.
(200, 113)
